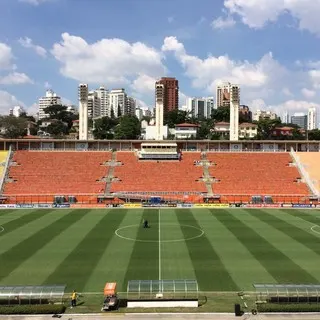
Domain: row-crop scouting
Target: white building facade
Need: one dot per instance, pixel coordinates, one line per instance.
(312, 118)
(261, 115)
(117, 102)
(16, 111)
(200, 107)
(50, 99)
(103, 96)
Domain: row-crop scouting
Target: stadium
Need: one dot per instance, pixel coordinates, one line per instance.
(224, 219)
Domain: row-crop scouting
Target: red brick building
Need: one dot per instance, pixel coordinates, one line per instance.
(168, 88)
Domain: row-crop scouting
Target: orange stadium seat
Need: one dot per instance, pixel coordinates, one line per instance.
(153, 176)
(57, 173)
(255, 174)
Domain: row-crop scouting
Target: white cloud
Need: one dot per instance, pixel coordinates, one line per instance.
(223, 23)
(182, 99)
(144, 84)
(47, 85)
(15, 78)
(207, 73)
(6, 56)
(257, 13)
(287, 92)
(110, 61)
(34, 2)
(33, 109)
(295, 106)
(27, 43)
(315, 78)
(308, 93)
(8, 101)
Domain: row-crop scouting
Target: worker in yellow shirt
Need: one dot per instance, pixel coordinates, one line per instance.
(74, 298)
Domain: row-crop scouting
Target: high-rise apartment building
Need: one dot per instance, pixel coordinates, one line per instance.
(300, 119)
(224, 91)
(50, 99)
(118, 102)
(170, 93)
(94, 106)
(285, 117)
(130, 106)
(312, 118)
(200, 107)
(103, 96)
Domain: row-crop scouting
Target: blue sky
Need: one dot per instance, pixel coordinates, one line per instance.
(269, 47)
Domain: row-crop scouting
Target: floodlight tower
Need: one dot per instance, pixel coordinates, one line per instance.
(234, 112)
(83, 111)
(159, 111)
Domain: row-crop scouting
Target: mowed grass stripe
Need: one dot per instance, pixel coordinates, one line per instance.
(26, 218)
(37, 267)
(4, 212)
(8, 241)
(238, 260)
(306, 215)
(144, 259)
(115, 260)
(305, 238)
(211, 273)
(14, 257)
(281, 267)
(77, 267)
(175, 259)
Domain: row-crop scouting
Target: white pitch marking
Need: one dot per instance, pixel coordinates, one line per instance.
(312, 229)
(159, 247)
(156, 241)
(1, 228)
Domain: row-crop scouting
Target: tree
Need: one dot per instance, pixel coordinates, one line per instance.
(119, 111)
(59, 112)
(128, 128)
(57, 129)
(314, 135)
(103, 128)
(12, 127)
(265, 128)
(176, 116)
(221, 114)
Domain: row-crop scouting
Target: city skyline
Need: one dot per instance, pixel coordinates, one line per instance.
(240, 43)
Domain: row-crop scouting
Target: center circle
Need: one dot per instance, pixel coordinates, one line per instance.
(167, 233)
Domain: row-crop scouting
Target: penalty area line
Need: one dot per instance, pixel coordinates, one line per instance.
(159, 246)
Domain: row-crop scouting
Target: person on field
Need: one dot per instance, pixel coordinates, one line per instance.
(73, 298)
(145, 224)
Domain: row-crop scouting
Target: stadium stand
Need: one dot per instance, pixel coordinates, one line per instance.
(64, 173)
(311, 161)
(158, 176)
(255, 174)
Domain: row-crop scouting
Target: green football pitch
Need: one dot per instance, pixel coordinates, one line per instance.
(223, 249)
